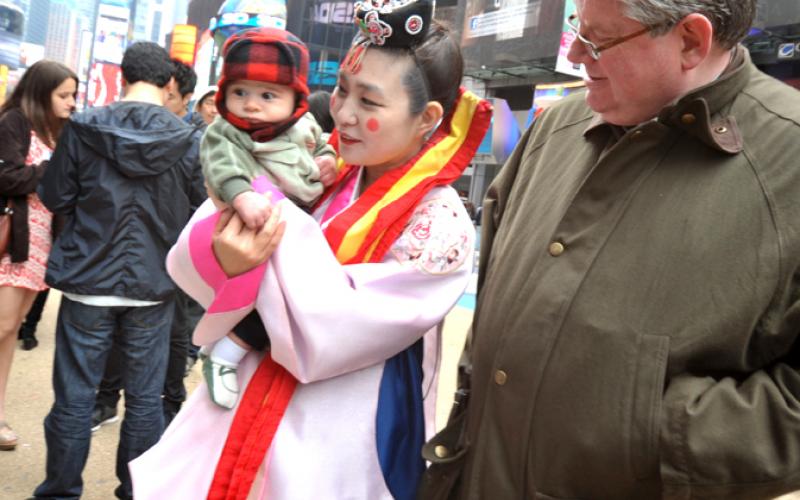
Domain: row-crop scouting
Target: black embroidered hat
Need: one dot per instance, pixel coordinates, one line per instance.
(388, 23)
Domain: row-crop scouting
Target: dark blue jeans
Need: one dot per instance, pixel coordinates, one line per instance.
(187, 314)
(83, 340)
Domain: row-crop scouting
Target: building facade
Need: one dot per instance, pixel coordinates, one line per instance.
(36, 21)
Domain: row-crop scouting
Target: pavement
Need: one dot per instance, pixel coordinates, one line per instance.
(30, 396)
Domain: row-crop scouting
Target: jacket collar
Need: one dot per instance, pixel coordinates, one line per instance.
(699, 113)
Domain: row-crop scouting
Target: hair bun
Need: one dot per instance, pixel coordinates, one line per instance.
(393, 23)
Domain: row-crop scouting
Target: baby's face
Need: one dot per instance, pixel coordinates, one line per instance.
(260, 101)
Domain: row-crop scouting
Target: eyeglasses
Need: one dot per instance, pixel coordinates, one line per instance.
(592, 48)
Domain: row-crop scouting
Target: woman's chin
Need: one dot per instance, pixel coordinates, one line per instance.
(349, 153)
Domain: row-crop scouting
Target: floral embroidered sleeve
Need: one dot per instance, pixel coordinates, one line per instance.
(434, 241)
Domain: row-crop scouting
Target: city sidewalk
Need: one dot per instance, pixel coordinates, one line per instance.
(30, 395)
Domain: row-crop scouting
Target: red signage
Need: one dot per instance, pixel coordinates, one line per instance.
(105, 84)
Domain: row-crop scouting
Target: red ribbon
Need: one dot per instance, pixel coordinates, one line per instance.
(251, 433)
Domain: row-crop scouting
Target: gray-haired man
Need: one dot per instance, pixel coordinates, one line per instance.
(636, 333)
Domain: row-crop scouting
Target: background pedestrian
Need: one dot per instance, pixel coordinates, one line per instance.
(30, 124)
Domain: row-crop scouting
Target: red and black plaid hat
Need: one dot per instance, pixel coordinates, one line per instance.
(265, 55)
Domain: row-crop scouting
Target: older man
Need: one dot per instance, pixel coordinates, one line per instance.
(636, 334)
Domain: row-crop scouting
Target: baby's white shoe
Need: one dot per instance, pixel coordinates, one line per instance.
(222, 381)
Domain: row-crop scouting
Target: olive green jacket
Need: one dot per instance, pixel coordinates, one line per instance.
(636, 332)
(231, 159)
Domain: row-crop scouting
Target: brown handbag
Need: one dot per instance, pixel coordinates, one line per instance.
(5, 227)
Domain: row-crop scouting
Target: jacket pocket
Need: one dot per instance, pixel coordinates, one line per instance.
(646, 407)
(445, 452)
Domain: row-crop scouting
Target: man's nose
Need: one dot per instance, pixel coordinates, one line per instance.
(578, 52)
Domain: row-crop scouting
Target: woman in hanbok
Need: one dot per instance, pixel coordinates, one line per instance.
(353, 297)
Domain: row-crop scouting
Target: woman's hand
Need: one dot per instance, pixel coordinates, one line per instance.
(238, 248)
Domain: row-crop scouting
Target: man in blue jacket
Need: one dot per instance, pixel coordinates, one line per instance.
(126, 176)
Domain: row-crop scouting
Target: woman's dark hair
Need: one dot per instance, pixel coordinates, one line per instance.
(33, 95)
(437, 74)
(319, 105)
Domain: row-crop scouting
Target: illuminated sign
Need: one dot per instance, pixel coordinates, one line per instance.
(244, 20)
(105, 84)
(564, 65)
(30, 53)
(323, 73)
(184, 38)
(788, 51)
(111, 33)
(333, 13)
(3, 82)
(504, 23)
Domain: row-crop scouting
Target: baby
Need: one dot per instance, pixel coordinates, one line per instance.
(263, 129)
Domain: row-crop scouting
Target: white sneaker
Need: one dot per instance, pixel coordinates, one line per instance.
(221, 379)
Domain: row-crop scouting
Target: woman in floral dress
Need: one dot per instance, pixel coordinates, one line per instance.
(30, 122)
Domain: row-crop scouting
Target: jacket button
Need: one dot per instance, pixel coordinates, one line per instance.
(688, 118)
(556, 248)
(500, 377)
(441, 451)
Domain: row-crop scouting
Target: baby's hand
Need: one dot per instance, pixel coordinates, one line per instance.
(327, 169)
(253, 208)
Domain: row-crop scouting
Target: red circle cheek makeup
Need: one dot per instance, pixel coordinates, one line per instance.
(373, 125)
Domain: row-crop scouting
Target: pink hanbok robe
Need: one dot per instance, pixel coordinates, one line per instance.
(332, 326)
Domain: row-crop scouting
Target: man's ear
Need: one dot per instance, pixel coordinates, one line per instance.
(697, 37)
(171, 87)
(431, 116)
(169, 90)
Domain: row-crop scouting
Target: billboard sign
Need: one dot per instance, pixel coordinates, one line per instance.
(105, 85)
(110, 41)
(333, 12)
(502, 34)
(111, 33)
(30, 53)
(184, 39)
(504, 23)
(563, 65)
(789, 51)
(236, 15)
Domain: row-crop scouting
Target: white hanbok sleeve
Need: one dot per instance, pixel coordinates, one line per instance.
(325, 319)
